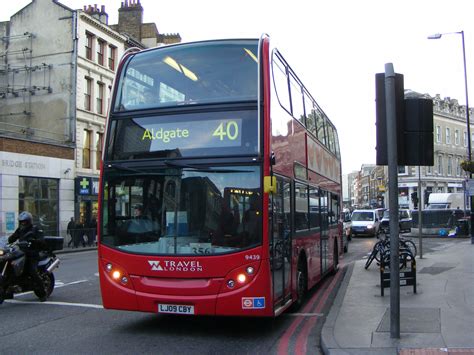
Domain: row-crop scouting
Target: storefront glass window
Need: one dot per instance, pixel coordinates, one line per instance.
(39, 196)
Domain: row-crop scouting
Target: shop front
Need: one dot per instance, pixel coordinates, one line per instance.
(37, 184)
(87, 193)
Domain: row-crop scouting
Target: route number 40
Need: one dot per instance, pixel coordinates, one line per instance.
(228, 129)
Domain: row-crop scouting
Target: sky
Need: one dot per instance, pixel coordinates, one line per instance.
(336, 47)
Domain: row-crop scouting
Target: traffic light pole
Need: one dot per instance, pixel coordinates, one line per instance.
(420, 214)
(391, 110)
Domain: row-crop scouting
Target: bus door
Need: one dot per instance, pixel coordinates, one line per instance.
(324, 230)
(280, 242)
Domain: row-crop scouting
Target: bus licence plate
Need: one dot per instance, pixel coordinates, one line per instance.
(175, 308)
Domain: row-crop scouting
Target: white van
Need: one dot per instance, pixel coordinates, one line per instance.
(445, 201)
(365, 222)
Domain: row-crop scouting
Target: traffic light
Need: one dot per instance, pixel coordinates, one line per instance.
(426, 196)
(414, 199)
(381, 118)
(414, 126)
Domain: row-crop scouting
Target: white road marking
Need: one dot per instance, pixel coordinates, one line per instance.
(56, 285)
(85, 305)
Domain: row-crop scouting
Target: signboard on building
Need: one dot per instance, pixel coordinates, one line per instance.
(86, 186)
(470, 187)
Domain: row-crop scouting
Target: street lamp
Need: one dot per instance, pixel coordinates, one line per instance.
(469, 138)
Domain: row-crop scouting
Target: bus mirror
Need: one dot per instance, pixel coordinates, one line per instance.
(269, 184)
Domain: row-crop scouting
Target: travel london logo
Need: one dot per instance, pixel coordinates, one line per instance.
(171, 265)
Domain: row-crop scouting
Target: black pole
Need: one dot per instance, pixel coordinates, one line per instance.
(390, 102)
(469, 139)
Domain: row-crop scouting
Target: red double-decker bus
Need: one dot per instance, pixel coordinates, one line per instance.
(220, 189)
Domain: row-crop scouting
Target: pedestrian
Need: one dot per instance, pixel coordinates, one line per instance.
(92, 230)
(70, 231)
(77, 235)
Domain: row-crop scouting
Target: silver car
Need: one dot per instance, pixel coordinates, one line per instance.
(365, 222)
(404, 221)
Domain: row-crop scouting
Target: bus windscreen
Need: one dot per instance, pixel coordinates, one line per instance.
(177, 211)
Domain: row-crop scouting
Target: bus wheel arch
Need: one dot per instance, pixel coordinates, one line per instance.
(301, 282)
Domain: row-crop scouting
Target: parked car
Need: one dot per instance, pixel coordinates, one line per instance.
(404, 221)
(365, 222)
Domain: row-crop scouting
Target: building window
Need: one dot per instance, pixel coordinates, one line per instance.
(112, 54)
(40, 197)
(465, 139)
(100, 51)
(456, 137)
(448, 135)
(402, 170)
(450, 165)
(458, 167)
(86, 150)
(438, 134)
(100, 98)
(89, 42)
(98, 149)
(88, 95)
(440, 165)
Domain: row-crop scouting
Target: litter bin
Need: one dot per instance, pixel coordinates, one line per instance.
(463, 226)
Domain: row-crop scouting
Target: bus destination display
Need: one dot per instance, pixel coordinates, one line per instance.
(193, 134)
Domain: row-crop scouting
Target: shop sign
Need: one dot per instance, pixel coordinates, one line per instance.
(86, 185)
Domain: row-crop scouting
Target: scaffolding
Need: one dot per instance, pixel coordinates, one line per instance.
(18, 73)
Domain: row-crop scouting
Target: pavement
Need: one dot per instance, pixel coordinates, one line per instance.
(437, 319)
(67, 249)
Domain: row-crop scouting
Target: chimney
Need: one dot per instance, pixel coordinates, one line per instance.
(130, 18)
(100, 15)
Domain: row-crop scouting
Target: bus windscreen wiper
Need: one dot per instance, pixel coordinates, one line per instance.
(207, 169)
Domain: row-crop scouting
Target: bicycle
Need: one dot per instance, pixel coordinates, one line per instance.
(381, 250)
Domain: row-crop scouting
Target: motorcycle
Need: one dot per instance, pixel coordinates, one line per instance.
(12, 263)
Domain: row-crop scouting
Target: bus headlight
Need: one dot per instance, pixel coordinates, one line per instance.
(230, 283)
(241, 276)
(117, 274)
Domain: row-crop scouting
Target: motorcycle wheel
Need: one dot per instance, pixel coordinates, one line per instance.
(48, 281)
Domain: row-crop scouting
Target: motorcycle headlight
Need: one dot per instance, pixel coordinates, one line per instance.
(2, 252)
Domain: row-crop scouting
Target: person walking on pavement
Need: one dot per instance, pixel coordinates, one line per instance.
(70, 231)
(77, 235)
(27, 232)
(91, 232)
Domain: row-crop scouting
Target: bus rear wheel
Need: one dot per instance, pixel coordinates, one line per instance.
(335, 260)
(301, 285)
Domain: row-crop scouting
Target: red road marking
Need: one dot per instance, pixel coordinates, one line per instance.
(285, 339)
(302, 339)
